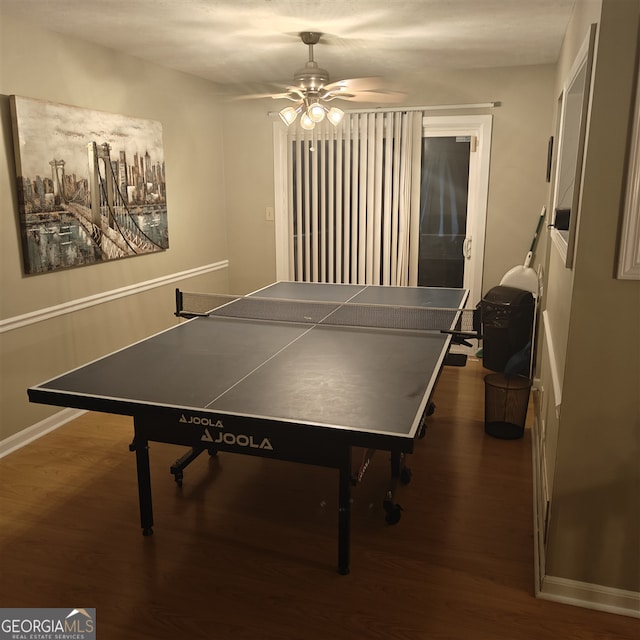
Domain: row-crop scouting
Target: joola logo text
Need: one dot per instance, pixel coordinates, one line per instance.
(203, 421)
(239, 440)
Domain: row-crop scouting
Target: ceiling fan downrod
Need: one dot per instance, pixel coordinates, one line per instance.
(311, 77)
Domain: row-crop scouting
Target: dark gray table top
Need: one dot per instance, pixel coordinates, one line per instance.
(375, 380)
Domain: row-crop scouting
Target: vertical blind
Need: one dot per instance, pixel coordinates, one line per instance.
(354, 199)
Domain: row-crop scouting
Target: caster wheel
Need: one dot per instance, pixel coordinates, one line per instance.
(431, 408)
(422, 431)
(212, 452)
(394, 514)
(148, 531)
(405, 476)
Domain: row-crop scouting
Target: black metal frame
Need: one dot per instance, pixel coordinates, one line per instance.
(317, 446)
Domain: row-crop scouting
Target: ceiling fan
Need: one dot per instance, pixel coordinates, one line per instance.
(311, 90)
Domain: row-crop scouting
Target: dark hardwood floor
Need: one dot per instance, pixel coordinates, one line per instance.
(247, 548)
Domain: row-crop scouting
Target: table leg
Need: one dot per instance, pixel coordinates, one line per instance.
(141, 447)
(344, 514)
(399, 473)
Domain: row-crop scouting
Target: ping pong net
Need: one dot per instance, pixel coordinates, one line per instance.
(383, 316)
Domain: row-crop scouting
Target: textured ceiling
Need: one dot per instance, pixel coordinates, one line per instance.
(251, 42)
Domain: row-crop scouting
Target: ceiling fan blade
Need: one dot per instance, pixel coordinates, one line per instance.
(254, 90)
(251, 96)
(292, 94)
(285, 96)
(367, 96)
(357, 84)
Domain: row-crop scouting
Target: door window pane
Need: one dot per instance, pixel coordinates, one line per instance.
(443, 210)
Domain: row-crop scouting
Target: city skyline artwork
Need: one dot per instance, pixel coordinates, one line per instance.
(91, 185)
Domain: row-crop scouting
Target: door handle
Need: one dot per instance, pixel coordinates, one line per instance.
(466, 248)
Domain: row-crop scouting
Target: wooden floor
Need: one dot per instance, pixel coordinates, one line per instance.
(248, 548)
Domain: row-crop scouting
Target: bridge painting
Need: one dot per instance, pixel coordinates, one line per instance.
(91, 185)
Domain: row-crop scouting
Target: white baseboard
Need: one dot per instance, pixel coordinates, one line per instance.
(24, 437)
(590, 596)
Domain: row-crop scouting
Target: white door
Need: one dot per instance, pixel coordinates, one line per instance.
(453, 223)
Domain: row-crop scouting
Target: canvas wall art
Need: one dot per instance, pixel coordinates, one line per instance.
(91, 185)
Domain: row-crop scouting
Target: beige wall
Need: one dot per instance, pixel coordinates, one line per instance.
(522, 125)
(248, 139)
(44, 65)
(595, 509)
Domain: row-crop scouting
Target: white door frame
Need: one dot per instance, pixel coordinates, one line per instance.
(281, 203)
(479, 129)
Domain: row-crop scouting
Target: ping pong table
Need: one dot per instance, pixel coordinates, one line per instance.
(302, 372)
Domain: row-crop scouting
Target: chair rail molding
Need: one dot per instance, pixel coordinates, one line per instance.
(40, 315)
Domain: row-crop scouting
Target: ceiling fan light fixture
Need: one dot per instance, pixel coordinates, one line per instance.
(289, 115)
(306, 122)
(335, 115)
(316, 112)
